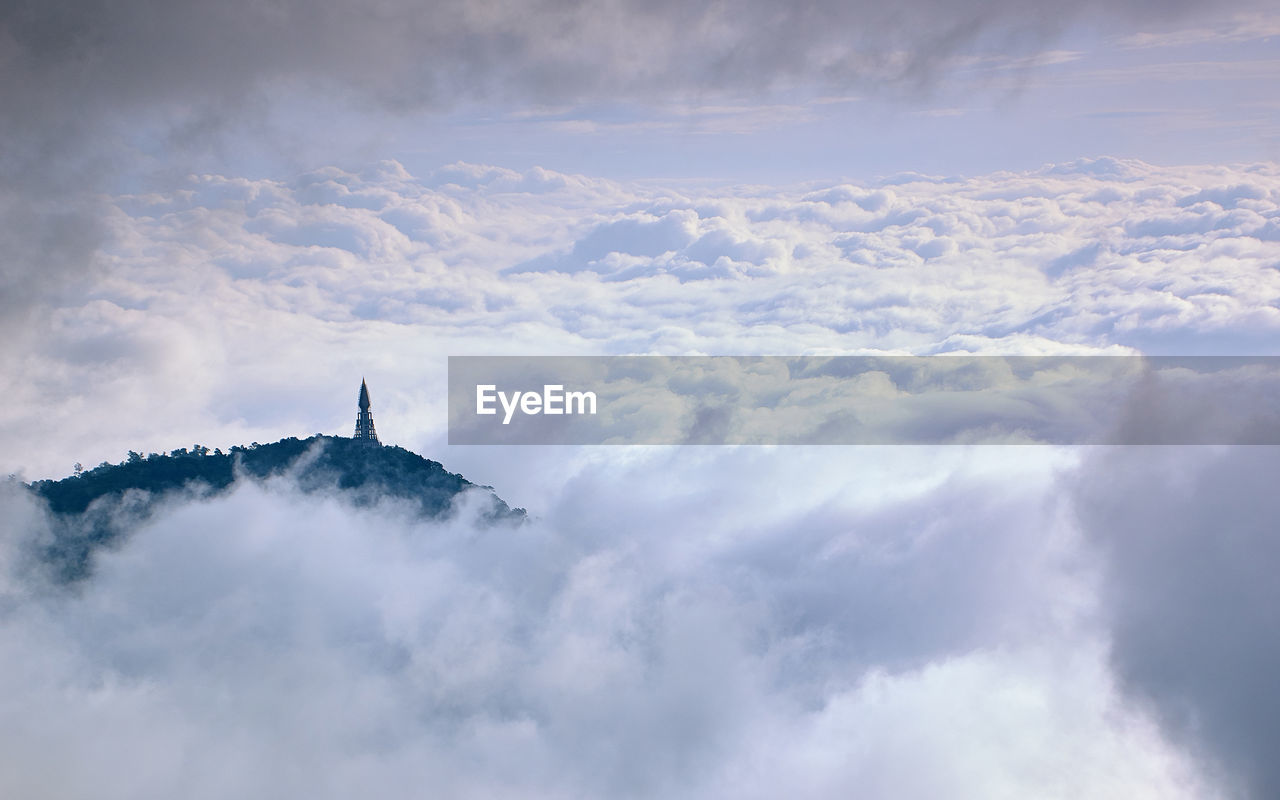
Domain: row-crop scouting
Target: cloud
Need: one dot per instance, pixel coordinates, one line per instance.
(119, 94)
(1006, 250)
(1233, 28)
(902, 624)
(1190, 552)
(234, 307)
(129, 59)
(231, 308)
(252, 644)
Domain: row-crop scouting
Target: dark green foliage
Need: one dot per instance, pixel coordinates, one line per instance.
(95, 507)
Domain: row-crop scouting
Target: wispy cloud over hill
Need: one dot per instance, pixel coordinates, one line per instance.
(906, 627)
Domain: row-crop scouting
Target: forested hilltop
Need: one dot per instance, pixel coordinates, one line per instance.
(96, 506)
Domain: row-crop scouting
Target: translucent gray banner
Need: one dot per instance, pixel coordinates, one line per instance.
(864, 400)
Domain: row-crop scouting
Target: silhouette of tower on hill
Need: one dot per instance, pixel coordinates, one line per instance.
(364, 419)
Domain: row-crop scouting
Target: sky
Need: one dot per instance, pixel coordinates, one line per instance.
(217, 218)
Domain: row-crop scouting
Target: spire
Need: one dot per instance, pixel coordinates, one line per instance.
(364, 419)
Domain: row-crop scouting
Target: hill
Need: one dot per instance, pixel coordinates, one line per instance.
(97, 506)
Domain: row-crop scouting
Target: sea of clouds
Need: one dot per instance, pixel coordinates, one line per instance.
(879, 622)
(905, 622)
(234, 309)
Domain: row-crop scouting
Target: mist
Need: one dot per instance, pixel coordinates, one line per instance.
(684, 622)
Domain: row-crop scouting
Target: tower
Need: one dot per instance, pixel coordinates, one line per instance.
(364, 419)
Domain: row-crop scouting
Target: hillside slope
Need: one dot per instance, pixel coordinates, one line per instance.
(95, 507)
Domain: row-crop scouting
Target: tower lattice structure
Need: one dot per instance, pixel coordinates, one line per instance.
(364, 419)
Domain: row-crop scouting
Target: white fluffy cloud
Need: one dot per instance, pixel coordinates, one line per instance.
(231, 310)
(1086, 253)
(657, 633)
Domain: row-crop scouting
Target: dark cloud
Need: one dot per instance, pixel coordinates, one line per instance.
(113, 56)
(46, 238)
(1190, 543)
